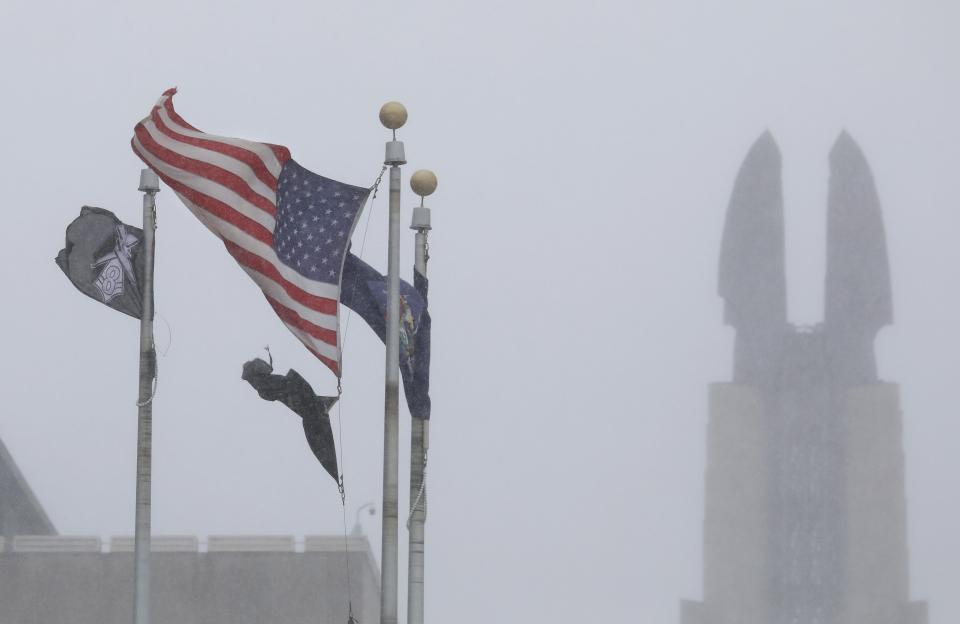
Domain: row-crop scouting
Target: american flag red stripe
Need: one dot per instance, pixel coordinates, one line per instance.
(178, 157)
(231, 186)
(252, 161)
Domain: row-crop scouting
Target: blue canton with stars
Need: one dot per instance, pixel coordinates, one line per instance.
(315, 218)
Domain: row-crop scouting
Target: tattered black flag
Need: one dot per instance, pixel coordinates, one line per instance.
(293, 391)
(102, 258)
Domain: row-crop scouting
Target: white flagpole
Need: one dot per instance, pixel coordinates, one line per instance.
(423, 183)
(150, 186)
(392, 115)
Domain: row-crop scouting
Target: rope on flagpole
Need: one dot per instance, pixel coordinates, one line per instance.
(423, 486)
(376, 185)
(340, 482)
(363, 243)
(343, 504)
(153, 366)
(164, 352)
(153, 350)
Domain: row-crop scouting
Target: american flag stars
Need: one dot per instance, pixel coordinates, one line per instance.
(273, 216)
(304, 214)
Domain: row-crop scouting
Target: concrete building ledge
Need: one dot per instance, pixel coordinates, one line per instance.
(250, 543)
(55, 544)
(188, 544)
(158, 544)
(332, 543)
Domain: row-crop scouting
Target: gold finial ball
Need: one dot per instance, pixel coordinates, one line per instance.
(423, 182)
(393, 115)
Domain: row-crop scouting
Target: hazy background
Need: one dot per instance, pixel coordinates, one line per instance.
(585, 154)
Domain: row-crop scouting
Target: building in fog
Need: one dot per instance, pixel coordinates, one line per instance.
(46, 578)
(805, 514)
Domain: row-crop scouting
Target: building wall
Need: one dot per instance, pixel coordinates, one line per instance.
(236, 580)
(876, 586)
(877, 559)
(735, 519)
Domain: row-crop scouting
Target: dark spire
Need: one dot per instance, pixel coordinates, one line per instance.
(858, 272)
(20, 512)
(857, 299)
(752, 278)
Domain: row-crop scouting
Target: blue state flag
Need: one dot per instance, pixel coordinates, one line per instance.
(364, 290)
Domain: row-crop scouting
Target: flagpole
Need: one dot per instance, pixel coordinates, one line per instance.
(392, 115)
(150, 185)
(423, 183)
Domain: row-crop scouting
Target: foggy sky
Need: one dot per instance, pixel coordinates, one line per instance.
(585, 155)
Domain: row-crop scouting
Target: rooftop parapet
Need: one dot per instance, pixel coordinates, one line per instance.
(250, 543)
(187, 544)
(56, 544)
(158, 544)
(332, 543)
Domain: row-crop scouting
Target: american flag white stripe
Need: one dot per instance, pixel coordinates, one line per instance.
(320, 349)
(164, 108)
(272, 290)
(230, 233)
(216, 191)
(229, 184)
(276, 292)
(239, 169)
(326, 349)
(255, 169)
(201, 175)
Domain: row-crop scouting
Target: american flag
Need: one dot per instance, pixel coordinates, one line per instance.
(288, 228)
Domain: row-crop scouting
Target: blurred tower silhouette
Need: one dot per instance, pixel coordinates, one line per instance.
(805, 515)
(20, 512)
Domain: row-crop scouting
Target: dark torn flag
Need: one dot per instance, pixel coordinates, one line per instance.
(102, 258)
(293, 391)
(364, 290)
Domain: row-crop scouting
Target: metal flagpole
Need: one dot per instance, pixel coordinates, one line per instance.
(150, 185)
(423, 183)
(392, 115)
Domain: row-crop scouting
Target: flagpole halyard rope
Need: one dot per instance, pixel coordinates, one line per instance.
(340, 483)
(423, 486)
(363, 244)
(153, 388)
(153, 344)
(376, 185)
(164, 352)
(343, 505)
